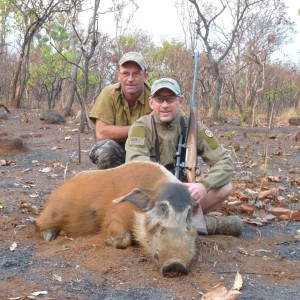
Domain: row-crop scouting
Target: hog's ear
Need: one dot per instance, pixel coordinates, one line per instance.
(141, 197)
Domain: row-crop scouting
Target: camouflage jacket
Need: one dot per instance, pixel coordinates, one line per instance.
(140, 146)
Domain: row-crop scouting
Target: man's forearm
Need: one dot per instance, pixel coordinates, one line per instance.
(112, 132)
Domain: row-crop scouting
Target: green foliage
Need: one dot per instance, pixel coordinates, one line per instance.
(265, 171)
(59, 33)
(242, 119)
(11, 19)
(284, 90)
(232, 133)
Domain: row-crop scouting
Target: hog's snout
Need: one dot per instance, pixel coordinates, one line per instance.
(174, 269)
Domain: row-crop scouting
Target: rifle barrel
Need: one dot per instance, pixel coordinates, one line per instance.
(192, 135)
(196, 59)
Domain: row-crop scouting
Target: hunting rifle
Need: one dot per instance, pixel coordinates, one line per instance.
(186, 161)
(186, 155)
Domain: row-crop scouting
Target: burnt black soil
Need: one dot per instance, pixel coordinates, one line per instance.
(267, 256)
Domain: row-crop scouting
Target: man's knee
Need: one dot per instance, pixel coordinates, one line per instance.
(107, 154)
(220, 194)
(227, 190)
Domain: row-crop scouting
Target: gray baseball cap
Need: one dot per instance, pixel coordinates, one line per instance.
(135, 57)
(166, 83)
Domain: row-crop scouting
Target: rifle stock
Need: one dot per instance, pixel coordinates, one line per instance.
(192, 135)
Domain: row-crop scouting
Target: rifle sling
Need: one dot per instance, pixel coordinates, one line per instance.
(157, 151)
(183, 128)
(183, 132)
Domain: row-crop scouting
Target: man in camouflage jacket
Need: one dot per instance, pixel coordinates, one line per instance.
(163, 128)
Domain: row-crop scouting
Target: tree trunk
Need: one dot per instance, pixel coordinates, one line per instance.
(217, 98)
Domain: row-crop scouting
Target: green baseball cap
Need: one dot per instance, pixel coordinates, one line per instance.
(135, 57)
(165, 83)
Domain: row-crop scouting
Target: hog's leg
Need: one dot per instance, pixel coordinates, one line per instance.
(199, 220)
(50, 234)
(118, 235)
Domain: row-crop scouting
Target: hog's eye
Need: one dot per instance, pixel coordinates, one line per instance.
(163, 209)
(156, 255)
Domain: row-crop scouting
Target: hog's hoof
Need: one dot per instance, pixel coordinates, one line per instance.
(174, 269)
(50, 234)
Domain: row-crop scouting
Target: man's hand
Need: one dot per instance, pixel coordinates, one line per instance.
(197, 191)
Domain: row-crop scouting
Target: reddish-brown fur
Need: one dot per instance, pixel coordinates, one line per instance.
(83, 204)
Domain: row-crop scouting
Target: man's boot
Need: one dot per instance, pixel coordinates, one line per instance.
(232, 225)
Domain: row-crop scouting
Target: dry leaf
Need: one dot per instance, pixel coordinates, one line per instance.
(233, 295)
(261, 214)
(53, 175)
(13, 246)
(249, 209)
(277, 211)
(251, 164)
(240, 185)
(219, 292)
(284, 217)
(231, 202)
(58, 165)
(258, 222)
(4, 162)
(295, 181)
(238, 282)
(34, 195)
(279, 153)
(39, 293)
(295, 216)
(241, 196)
(67, 138)
(57, 278)
(268, 193)
(275, 178)
(45, 170)
(251, 192)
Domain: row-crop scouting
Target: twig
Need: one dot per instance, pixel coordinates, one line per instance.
(7, 110)
(79, 148)
(66, 168)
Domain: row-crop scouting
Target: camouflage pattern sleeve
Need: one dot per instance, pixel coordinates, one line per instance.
(138, 145)
(219, 159)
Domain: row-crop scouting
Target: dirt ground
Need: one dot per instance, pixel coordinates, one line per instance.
(267, 255)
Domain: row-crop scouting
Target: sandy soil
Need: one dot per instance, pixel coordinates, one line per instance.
(267, 255)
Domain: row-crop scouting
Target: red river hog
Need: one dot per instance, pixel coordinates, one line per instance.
(139, 201)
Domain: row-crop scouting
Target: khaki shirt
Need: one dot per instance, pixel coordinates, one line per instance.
(112, 108)
(140, 146)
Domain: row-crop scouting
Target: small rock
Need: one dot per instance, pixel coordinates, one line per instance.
(52, 117)
(294, 121)
(233, 121)
(10, 145)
